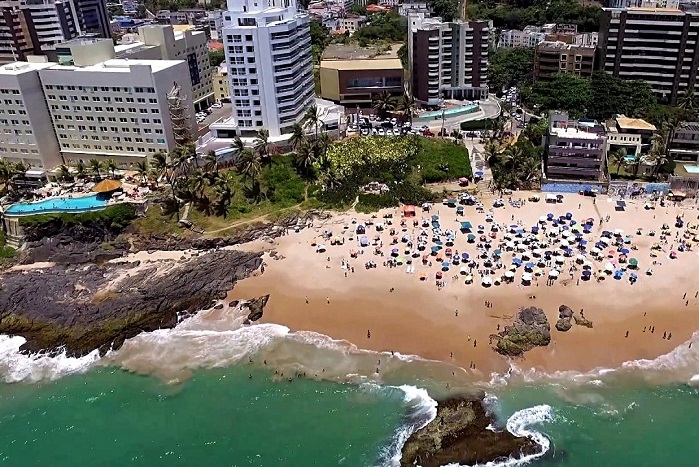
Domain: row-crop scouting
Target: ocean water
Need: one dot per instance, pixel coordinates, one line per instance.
(199, 395)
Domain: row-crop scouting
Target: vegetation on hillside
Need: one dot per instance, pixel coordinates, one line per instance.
(516, 14)
(5, 250)
(510, 67)
(113, 219)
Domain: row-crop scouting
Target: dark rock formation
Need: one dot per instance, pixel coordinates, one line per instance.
(530, 329)
(256, 307)
(580, 321)
(565, 311)
(459, 434)
(89, 307)
(564, 324)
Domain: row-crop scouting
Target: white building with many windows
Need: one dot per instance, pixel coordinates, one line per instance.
(268, 53)
(26, 131)
(116, 109)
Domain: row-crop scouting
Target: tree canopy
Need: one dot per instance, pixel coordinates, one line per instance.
(599, 98)
(516, 14)
(383, 26)
(448, 10)
(216, 57)
(509, 66)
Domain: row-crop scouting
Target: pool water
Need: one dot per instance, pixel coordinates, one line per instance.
(448, 112)
(692, 169)
(62, 204)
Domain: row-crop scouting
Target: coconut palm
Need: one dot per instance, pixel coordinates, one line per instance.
(262, 146)
(249, 165)
(406, 104)
(688, 101)
(492, 152)
(383, 103)
(142, 171)
(95, 166)
(211, 162)
(224, 196)
(63, 172)
(111, 166)
(238, 145)
(159, 165)
(298, 136)
(305, 158)
(619, 158)
(179, 162)
(313, 118)
(80, 169)
(637, 159)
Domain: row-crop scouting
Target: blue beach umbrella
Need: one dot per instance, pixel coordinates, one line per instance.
(517, 261)
(466, 226)
(587, 272)
(569, 215)
(529, 265)
(497, 252)
(445, 266)
(549, 216)
(471, 237)
(624, 251)
(464, 256)
(535, 230)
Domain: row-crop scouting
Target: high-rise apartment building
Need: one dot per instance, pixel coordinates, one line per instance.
(447, 60)
(268, 53)
(26, 130)
(658, 45)
(34, 27)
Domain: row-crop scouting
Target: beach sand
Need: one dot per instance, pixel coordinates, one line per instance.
(308, 292)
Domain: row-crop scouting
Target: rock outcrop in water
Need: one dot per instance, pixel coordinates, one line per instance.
(530, 329)
(83, 308)
(459, 434)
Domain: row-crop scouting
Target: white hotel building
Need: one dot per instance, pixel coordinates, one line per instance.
(268, 53)
(117, 109)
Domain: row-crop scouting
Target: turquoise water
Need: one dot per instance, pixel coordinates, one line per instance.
(692, 169)
(219, 417)
(222, 417)
(63, 204)
(450, 112)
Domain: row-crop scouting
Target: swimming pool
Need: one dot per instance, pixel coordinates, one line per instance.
(450, 112)
(692, 169)
(62, 204)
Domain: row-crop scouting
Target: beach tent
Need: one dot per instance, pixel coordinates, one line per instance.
(529, 266)
(409, 210)
(497, 252)
(451, 202)
(517, 261)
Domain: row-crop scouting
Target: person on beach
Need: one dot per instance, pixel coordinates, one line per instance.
(627, 334)
(664, 335)
(669, 336)
(368, 334)
(328, 300)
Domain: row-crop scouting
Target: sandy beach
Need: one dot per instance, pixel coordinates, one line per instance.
(388, 309)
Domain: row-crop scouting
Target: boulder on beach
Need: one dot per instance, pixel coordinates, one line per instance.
(460, 434)
(256, 307)
(564, 324)
(530, 329)
(565, 311)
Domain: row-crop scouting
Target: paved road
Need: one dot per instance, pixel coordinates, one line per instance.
(489, 109)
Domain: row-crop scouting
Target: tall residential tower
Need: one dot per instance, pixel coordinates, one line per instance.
(268, 54)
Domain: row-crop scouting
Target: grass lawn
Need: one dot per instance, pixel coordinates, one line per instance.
(441, 160)
(5, 251)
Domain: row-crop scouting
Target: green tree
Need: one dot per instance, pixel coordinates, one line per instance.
(111, 166)
(619, 158)
(563, 92)
(80, 169)
(64, 172)
(249, 165)
(142, 170)
(95, 166)
(383, 103)
(313, 118)
(406, 104)
(448, 10)
(216, 57)
(261, 145)
(509, 67)
(298, 136)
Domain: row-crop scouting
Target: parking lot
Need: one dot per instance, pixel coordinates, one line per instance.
(373, 126)
(215, 114)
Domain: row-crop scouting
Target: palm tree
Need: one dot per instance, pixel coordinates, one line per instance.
(637, 159)
(688, 101)
(249, 165)
(237, 144)
(406, 104)
(159, 165)
(142, 170)
(95, 166)
(199, 181)
(322, 145)
(298, 136)
(492, 153)
(659, 160)
(313, 118)
(305, 158)
(111, 166)
(383, 103)
(80, 169)
(619, 158)
(179, 162)
(64, 172)
(262, 146)
(224, 195)
(211, 164)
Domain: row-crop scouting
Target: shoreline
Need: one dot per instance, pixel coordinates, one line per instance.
(406, 315)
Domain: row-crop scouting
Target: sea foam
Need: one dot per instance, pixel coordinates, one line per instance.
(16, 366)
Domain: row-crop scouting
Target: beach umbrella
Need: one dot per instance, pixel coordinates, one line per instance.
(521, 247)
(587, 264)
(538, 252)
(497, 252)
(633, 262)
(618, 232)
(526, 277)
(568, 252)
(394, 252)
(550, 216)
(559, 260)
(529, 266)
(471, 238)
(582, 243)
(535, 230)
(624, 251)
(618, 274)
(580, 259)
(463, 270)
(400, 260)
(538, 271)
(599, 246)
(438, 275)
(576, 229)
(673, 254)
(633, 276)
(553, 273)
(486, 281)
(610, 253)
(481, 228)
(525, 256)
(510, 244)
(609, 267)
(607, 233)
(509, 274)
(587, 273)
(466, 226)
(520, 232)
(542, 219)
(105, 186)
(517, 261)
(445, 266)
(569, 215)
(320, 248)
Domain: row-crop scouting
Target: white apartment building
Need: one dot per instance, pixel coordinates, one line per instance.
(215, 20)
(163, 43)
(268, 53)
(529, 37)
(115, 109)
(26, 131)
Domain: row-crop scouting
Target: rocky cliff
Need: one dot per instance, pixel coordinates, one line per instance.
(459, 434)
(83, 308)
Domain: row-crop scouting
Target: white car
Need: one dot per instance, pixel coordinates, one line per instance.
(381, 132)
(217, 105)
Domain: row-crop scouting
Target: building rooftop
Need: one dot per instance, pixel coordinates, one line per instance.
(119, 65)
(689, 126)
(626, 123)
(354, 52)
(560, 45)
(572, 132)
(18, 68)
(363, 64)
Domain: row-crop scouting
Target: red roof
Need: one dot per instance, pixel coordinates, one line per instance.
(375, 9)
(215, 45)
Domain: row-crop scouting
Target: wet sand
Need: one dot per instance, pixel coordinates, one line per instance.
(419, 319)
